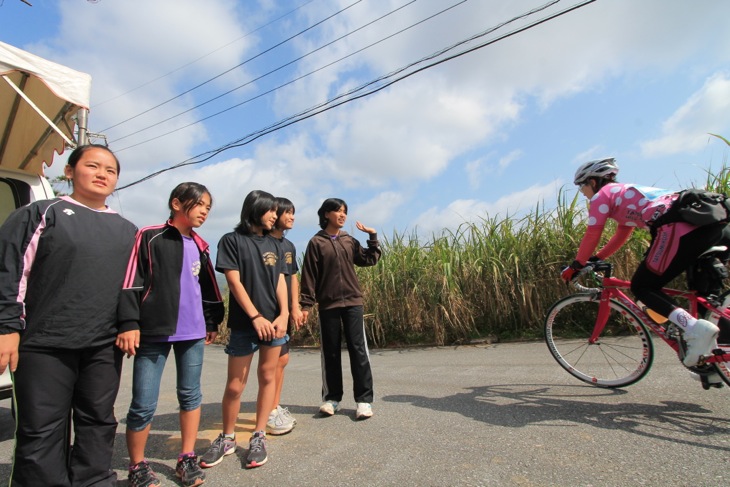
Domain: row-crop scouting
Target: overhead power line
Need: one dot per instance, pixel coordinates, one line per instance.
(271, 90)
(338, 101)
(180, 68)
(260, 77)
(234, 67)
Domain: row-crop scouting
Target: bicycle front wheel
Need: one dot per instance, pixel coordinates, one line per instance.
(622, 354)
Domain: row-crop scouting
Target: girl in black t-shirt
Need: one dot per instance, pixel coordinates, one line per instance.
(257, 317)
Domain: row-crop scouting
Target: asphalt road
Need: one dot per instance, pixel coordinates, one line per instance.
(502, 414)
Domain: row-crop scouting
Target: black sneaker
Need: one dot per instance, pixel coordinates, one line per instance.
(220, 447)
(141, 475)
(256, 450)
(188, 471)
(724, 337)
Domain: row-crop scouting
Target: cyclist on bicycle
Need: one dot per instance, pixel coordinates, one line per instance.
(674, 246)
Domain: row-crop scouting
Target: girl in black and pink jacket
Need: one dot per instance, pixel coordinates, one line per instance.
(170, 300)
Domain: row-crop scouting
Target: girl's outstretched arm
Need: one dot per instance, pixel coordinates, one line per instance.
(369, 256)
(365, 229)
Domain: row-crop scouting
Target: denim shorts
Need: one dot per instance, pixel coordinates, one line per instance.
(149, 363)
(246, 342)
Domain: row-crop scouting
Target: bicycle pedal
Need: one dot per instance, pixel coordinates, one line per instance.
(703, 376)
(714, 385)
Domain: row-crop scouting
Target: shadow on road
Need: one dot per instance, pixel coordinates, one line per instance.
(521, 405)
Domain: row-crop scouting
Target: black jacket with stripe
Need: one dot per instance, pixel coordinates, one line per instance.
(151, 293)
(61, 272)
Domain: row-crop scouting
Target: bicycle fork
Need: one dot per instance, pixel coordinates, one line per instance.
(603, 311)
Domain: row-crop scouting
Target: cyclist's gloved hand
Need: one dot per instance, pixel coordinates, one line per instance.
(593, 259)
(568, 273)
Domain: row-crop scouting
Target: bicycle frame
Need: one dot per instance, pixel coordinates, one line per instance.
(612, 288)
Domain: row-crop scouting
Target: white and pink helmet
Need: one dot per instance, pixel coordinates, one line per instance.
(599, 168)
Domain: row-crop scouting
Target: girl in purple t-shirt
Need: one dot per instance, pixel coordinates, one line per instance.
(170, 300)
(673, 249)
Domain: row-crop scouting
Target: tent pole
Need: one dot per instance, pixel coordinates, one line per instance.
(82, 120)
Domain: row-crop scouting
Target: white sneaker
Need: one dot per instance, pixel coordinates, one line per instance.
(328, 408)
(285, 412)
(701, 339)
(364, 410)
(278, 424)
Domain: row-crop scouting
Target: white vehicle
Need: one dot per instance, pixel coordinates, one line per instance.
(41, 103)
(18, 188)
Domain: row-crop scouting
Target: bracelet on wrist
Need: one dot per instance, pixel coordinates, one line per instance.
(257, 315)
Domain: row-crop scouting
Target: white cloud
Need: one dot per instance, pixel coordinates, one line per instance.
(416, 129)
(458, 212)
(589, 154)
(507, 160)
(378, 211)
(706, 111)
(135, 49)
(381, 151)
(396, 135)
(477, 169)
(474, 171)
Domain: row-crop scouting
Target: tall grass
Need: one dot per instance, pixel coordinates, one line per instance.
(493, 278)
(496, 277)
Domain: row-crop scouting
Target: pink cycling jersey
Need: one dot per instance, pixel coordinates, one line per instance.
(630, 205)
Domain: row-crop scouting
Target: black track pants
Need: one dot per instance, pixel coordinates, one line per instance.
(48, 386)
(332, 322)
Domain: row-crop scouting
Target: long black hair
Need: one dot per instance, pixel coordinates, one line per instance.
(330, 204)
(188, 194)
(255, 206)
(283, 205)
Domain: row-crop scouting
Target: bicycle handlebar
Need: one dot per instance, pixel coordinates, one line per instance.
(592, 268)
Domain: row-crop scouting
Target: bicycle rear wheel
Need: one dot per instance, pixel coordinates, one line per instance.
(622, 354)
(723, 367)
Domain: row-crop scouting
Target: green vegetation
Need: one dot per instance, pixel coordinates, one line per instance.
(493, 278)
(497, 278)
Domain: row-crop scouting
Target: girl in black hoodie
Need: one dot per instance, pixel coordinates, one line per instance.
(329, 279)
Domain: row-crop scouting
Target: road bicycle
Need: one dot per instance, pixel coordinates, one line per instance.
(602, 337)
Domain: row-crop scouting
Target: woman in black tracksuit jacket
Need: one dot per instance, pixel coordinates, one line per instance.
(62, 265)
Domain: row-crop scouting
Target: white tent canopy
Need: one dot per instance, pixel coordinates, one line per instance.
(38, 101)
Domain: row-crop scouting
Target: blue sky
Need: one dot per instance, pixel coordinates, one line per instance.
(491, 133)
